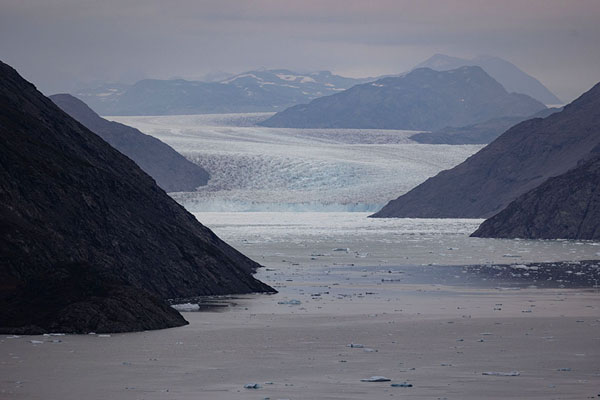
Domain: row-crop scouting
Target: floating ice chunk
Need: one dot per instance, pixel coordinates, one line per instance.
(186, 307)
(104, 335)
(346, 249)
(403, 384)
(495, 373)
(355, 345)
(292, 302)
(368, 350)
(36, 342)
(376, 378)
(252, 386)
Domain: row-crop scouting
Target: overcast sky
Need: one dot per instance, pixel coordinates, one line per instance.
(62, 44)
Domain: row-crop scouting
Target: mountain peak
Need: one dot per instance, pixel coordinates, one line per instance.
(507, 74)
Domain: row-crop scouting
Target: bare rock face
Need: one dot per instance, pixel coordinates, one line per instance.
(518, 161)
(67, 198)
(563, 207)
(172, 171)
(423, 99)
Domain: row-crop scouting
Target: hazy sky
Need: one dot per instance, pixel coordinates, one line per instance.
(62, 44)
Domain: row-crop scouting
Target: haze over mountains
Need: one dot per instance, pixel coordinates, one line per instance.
(89, 242)
(507, 74)
(423, 99)
(261, 90)
(519, 160)
(172, 171)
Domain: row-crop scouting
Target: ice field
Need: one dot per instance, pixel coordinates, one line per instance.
(279, 169)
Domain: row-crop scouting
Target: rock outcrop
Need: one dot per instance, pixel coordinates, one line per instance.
(80, 219)
(563, 207)
(519, 160)
(172, 171)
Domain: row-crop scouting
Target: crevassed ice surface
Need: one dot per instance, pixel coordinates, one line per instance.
(279, 169)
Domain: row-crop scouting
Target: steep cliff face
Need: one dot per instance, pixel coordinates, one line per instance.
(563, 207)
(519, 160)
(68, 198)
(423, 99)
(172, 171)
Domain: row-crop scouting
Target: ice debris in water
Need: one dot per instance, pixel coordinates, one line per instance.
(376, 378)
(403, 384)
(355, 345)
(494, 373)
(292, 302)
(252, 386)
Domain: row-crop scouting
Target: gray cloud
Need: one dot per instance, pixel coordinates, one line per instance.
(60, 44)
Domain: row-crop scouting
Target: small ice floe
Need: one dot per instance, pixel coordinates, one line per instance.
(346, 249)
(104, 335)
(36, 342)
(292, 302)
(403, 384)
(376, 378)
(186, 307)
(13, 337)
(252, 386)
(356, 345)
(495, 373)
(368, 350)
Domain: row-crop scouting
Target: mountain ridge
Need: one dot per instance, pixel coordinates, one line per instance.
(251, 91)
(509, 75)
(519, 160)
(422, 99)
(564, 207)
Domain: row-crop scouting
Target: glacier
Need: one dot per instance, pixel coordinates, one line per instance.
(257, 169)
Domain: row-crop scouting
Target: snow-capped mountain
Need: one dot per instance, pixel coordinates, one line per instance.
(252, 91)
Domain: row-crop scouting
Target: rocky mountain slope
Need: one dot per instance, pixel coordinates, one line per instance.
(563, 207)
(423, 99)
(172, 171)
(509, 75)
(519, 160)
(252, 91)
(480, 133)
(88, 241)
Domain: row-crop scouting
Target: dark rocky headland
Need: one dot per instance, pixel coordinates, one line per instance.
(88, 241)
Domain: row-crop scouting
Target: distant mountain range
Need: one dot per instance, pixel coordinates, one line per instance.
(563, 207)
(423, 99)
(89, 242)
(509, 75)
(518, 161)
(253, 91)
(172, 171)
